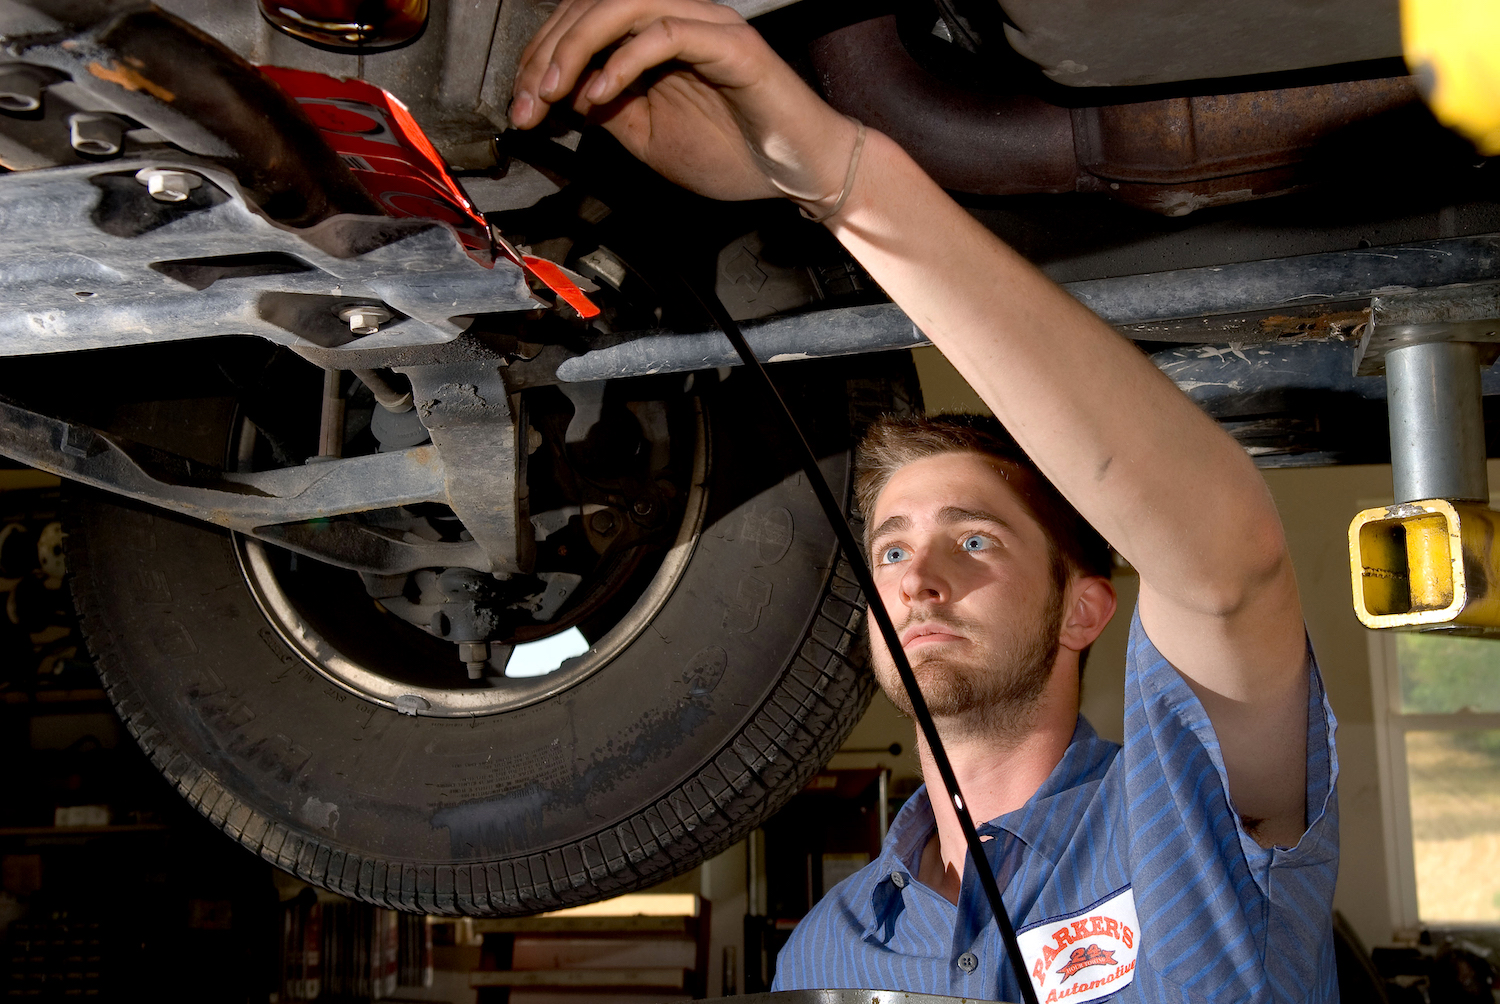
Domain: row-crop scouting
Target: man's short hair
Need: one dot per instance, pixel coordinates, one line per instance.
(893, 442)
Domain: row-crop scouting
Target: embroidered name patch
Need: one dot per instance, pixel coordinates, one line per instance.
(1086, 956)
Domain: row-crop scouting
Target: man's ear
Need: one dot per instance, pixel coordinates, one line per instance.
(1091, 603)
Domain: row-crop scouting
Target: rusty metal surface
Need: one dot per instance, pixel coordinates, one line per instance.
(989, 145)
(1214, 135)
(1170, 156)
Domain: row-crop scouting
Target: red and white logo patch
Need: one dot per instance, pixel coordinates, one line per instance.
(1086, 956)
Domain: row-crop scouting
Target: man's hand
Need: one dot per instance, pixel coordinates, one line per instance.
(691, 90)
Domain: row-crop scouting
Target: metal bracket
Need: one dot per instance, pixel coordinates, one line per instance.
(1466, 313)
(475, 426)
(291, 507)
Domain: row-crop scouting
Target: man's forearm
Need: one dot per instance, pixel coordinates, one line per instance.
(1139, 460)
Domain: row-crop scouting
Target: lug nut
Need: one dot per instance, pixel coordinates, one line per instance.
(167, 185)
(97, 135)
(364, 320)
(20, 91)
(475, 654)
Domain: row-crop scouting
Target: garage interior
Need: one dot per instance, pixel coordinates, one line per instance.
(113, 886)
(111, 880)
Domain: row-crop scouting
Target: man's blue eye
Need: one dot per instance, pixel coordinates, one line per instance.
(891, 555)
(975, 542)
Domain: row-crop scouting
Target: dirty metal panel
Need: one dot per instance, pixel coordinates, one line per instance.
(1467, 313)
(438, 76)
(103, 290)
(475, 426)
(1105, 43)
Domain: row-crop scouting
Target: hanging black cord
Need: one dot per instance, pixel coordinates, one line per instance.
(854, 552)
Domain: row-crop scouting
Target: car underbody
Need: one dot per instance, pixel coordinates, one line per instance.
(423, 418)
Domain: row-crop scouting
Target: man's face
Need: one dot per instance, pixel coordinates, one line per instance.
(967, 576)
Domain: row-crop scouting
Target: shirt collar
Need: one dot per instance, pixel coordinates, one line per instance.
(1048, 819)
(1038, 823)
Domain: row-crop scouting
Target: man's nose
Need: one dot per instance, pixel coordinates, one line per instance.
(924, 581)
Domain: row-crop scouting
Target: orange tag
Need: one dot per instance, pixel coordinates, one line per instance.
(557, 280)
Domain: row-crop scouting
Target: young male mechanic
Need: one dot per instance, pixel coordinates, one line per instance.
(1197, 862)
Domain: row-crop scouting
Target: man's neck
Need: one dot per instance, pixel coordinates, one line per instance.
(996, 774)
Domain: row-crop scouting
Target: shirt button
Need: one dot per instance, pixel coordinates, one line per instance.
(898, 880)
(968, 962)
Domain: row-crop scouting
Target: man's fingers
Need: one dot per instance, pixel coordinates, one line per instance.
(565, 14)
(704, 45)
(602, 25)
(527, 107)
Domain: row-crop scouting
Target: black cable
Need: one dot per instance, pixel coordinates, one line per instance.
(854, 552)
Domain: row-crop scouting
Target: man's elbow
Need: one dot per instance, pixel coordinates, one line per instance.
(1254, 562)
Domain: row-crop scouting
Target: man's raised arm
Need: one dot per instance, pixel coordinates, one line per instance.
(1159, 479)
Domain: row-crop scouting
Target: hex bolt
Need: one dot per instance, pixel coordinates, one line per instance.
(168, 185)
(475, 654)
(603, 522)
(364, 320)
(20, 91)
(96, 135)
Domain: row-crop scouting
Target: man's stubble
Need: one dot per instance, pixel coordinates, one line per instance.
(989, 694)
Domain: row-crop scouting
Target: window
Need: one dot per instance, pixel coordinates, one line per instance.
(1437, 706)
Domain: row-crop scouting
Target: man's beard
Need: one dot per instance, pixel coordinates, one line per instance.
(994, 698)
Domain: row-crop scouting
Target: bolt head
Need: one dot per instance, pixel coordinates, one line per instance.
(96, 135)
(20, 91)
(603, 522)
(642, 507)
(167, 185)
(364, 320)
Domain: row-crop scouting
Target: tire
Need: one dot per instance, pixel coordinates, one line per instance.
(745, 682)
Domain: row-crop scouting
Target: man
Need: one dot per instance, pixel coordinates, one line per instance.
(1198, 862)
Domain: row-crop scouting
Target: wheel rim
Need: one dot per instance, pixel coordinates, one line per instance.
(493, 695)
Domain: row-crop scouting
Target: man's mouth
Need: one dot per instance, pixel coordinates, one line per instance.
(928, 634)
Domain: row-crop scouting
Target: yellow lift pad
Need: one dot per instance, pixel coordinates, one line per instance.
(1427, 566)
(1453, 48)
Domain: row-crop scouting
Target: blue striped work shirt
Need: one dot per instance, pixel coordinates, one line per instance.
(1128, 876)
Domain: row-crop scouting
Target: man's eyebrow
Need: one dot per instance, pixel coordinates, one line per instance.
(891, 525)
(958, 514)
